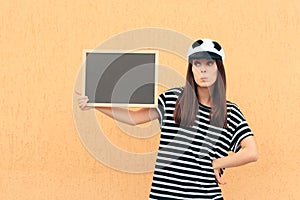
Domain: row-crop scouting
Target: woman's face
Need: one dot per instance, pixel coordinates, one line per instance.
(205, 71)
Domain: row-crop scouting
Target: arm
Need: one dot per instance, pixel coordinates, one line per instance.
(129, 116)
(247, 154)
(121, 114)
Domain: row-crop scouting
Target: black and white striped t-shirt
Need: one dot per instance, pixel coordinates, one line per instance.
(183, 167)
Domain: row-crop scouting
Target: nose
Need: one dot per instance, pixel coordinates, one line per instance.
(202, 69)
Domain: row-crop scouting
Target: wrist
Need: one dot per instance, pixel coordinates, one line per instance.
(215, 164)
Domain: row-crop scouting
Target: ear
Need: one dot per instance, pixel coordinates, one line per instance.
(197, 43)
(217, 46)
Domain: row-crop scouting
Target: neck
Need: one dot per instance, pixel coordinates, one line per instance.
(204, 96)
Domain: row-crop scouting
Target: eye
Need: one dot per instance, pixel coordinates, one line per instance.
(197, 63)
(210, 63)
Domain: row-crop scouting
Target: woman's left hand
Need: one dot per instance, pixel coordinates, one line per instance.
(217, 172)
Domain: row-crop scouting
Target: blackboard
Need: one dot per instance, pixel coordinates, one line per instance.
(120, 78)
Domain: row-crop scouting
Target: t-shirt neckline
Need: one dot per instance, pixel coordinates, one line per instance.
(207, 107)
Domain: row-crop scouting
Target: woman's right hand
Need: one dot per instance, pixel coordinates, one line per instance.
(82, 101)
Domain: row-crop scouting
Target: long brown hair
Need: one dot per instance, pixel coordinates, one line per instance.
(187, 104)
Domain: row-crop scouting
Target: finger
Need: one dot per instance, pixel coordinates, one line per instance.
(83, 105)
(83, 100)
(83, 97)
(80, 103)
(77, 92)
(84, 108)
(220, 180)
(218, 177)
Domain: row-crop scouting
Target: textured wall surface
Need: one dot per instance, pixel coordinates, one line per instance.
(41, 45)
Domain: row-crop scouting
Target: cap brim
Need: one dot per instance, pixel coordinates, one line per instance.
(205, 54)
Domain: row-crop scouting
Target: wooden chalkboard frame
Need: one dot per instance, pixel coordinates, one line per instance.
(154, 101)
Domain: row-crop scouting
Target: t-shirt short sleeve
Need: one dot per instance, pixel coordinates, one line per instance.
(240, 130)
(166, 103)
(161, 107)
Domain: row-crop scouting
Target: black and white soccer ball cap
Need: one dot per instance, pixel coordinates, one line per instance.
(206, 48)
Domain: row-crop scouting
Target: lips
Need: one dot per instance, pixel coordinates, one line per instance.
(203, 79)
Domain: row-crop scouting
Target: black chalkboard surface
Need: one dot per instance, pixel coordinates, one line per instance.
(120, 78)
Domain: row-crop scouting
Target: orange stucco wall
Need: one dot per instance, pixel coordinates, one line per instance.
(41, 43)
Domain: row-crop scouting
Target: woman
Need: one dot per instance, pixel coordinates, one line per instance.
(198, 129)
